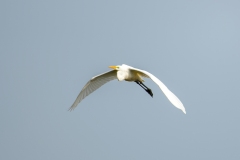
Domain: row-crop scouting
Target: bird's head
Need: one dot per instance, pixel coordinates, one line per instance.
(114, 67)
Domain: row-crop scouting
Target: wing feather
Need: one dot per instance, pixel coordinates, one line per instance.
(171, 97)
(93, 85)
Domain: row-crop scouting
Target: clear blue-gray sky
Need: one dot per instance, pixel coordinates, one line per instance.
(50, 49)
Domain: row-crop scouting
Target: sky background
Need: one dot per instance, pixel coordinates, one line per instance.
(50, 49)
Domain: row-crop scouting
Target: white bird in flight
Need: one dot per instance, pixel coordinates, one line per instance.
(127, 73)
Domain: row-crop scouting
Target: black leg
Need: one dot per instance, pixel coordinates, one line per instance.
(148, 90)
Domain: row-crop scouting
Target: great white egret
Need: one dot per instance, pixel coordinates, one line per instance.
(127, 73)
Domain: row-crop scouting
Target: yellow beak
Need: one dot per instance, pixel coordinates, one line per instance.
(113, 67)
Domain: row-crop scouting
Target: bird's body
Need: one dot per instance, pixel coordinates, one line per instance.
(127, 73)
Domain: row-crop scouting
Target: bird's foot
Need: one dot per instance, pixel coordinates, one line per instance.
(150, 92)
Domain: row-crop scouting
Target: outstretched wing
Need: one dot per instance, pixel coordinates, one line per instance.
(93, 85)
(171, 97)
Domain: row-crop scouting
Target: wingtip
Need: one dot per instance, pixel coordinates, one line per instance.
(70, 109)
(184, 111)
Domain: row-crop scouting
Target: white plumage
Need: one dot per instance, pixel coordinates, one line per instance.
(127, 73)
